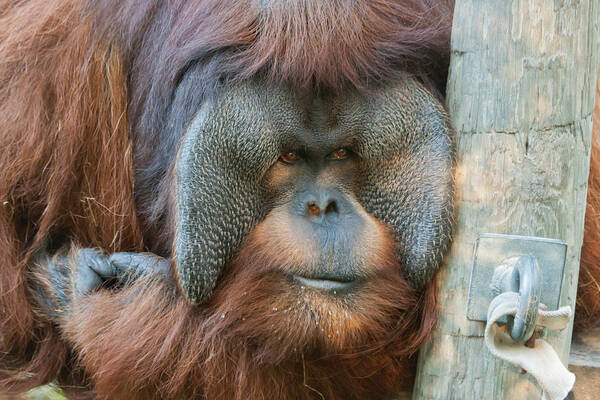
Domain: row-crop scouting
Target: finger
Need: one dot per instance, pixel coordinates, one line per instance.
(92, 267)
(139, 264)
(96, 261)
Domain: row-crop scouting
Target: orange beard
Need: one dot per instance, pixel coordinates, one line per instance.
(261, 336)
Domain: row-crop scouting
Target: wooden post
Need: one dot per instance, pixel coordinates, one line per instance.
(521, 95)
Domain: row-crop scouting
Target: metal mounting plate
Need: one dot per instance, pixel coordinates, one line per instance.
(492, 248)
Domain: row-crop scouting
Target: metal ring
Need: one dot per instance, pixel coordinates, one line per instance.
(525, 279)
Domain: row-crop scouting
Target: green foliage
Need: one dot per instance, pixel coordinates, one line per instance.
(47, 392)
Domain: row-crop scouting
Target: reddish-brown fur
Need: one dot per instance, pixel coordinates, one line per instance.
(254, 339)
(588, 295)
(65, 165)
(76, 87)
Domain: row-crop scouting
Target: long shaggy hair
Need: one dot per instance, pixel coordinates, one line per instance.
(87, 96)
(588, 291)
(253, 339)
(65, 167)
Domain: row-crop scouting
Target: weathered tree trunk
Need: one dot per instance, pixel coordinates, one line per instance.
(521, 95)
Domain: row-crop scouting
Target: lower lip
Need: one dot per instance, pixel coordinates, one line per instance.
(323, 284)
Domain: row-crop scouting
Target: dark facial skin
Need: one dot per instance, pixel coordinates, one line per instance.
(328, 177)
(260, 151)
(313, 187)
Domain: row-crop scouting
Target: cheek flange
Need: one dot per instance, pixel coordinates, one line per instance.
(219, 200)
(412, 191)
(216, 207)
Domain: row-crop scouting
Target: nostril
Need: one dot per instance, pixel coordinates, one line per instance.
(320, 204)
(313, 209)
(331, 208)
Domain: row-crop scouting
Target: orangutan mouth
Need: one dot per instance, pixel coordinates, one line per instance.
(327, 284)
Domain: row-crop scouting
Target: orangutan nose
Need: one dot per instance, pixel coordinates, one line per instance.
(321, 205)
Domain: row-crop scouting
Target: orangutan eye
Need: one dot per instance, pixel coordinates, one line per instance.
(289, 157)
(339, 154)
